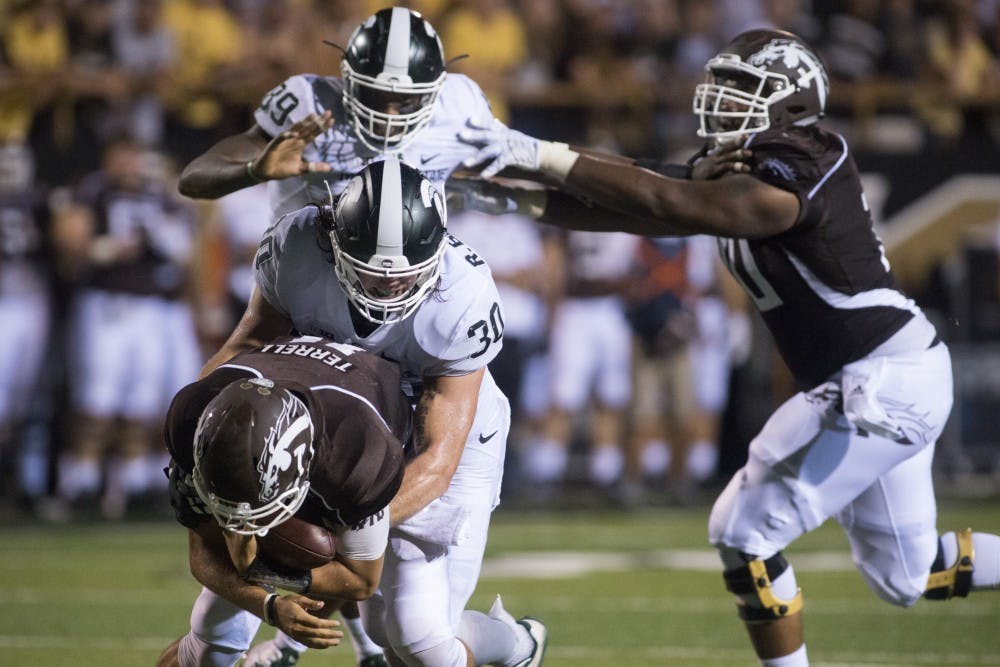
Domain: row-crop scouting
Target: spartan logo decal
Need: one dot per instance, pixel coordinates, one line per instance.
(796, 58)
(286, 444)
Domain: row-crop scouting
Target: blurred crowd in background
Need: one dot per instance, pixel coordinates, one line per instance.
(633, 365)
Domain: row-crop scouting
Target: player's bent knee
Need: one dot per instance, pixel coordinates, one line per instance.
(955, 581)
(193, 651)
(450, 653)
(765, 588)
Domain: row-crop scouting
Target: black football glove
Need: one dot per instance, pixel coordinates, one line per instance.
(189, 511)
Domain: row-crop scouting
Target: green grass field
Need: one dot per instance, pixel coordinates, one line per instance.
(614, 588)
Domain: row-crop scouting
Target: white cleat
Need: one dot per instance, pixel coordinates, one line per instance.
(536, 631)
(540, 635)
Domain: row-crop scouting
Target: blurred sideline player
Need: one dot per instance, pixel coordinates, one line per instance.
(25, 313)
(129, 244)
(590, 364)
(379, 271)
(302, 427)
(312, 133)
(857, 442)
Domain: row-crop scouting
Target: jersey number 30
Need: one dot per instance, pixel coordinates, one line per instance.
(487, 332)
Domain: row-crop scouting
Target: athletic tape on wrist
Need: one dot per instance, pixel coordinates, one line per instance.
(556, 159)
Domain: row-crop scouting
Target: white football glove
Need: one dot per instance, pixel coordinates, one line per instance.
(499, 147)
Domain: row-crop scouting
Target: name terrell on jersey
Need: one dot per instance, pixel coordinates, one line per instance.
(323, 354)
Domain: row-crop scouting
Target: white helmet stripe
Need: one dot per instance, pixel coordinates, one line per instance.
(390, 206)
(397, 51)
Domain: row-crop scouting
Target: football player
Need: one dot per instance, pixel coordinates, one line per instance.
(127, 244)
(313, 132)
(301, 427)
(379, 271)
(794, 229)
(24, 310)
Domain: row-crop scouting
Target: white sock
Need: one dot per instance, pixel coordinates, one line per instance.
(545, 461)
(363, 644)
(606, 464)
(986, 563)
(655, 458)
(495, 637)
(281, 640)
(796, 659)
(702, 460)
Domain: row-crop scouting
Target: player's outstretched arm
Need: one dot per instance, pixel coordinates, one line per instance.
(252, 157)
(212, 567)
(735, 205)
(444, 417)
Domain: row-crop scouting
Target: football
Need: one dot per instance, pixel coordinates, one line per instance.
(297, 545)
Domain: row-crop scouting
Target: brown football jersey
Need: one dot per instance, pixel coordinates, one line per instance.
(363, 421)
(823, 287)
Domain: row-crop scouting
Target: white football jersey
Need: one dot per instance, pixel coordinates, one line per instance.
(435, 151)
(456, 330)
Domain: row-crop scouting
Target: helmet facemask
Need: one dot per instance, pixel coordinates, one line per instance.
(379, 130)
(252, 449)
(388, 284)
(735, 99)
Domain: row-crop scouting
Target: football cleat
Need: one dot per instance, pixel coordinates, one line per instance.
(538, 632)
(377, 660)
(267, 654)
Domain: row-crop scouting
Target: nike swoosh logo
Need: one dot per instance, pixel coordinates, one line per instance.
(486, 438)
(425, 159)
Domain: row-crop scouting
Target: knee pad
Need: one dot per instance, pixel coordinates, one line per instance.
(946, 582)
(193, 651)
(752, 582)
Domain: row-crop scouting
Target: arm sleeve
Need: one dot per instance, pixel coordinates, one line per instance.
(365, 540)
